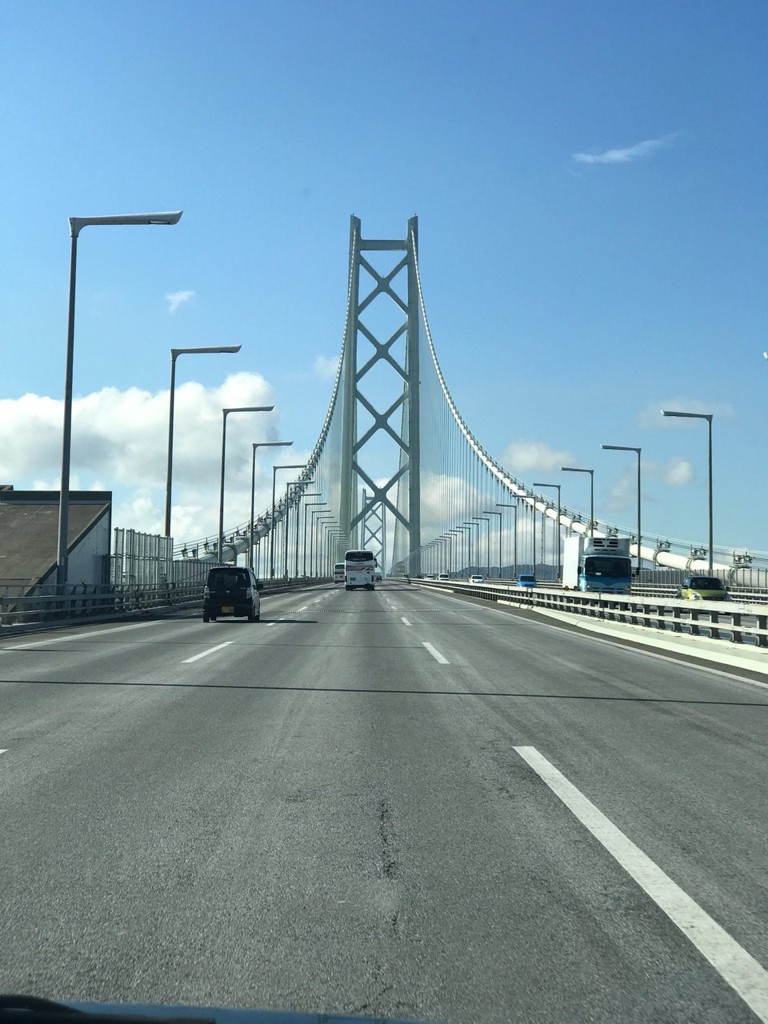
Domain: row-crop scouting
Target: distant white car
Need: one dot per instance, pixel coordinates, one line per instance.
(477, 579)
(444, 576)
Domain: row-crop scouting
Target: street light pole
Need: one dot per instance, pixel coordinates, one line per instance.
(226, 412)
(175, 353)
(313, 547)
(429, 552)
(332, 534)
(308, 505)
(490, 512)
(484, 519)
(332, 538)
(295, 465)
(289, 485)
(466, 522)
(76, 224)
(557, 534)
(708, 417)
(573, 469)
(260, 444)
(631, 448)
(302, 495)
(444, 556)
(505, 504)
(452, 536)
(464, 538)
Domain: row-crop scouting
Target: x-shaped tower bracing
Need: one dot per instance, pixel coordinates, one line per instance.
(358, 364)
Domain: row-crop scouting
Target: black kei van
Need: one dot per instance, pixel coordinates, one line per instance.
(231, 590)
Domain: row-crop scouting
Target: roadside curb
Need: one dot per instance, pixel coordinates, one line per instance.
(746, 656)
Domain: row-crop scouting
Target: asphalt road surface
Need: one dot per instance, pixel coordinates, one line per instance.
(393, 803)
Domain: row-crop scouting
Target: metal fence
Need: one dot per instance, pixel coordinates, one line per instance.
(146, 560)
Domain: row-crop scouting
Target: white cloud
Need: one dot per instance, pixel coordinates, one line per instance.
(677, 472)
(622, 495)
(176, 299)
(522, 456)
(625, 155)
(119, 443)
(325, 368)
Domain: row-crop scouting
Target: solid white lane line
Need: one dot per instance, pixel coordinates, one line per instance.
(80, 636)
(435, 654)
(204, 654)
(404, 620)
(4, 750)
(731, 961)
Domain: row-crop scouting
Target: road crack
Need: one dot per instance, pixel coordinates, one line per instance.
(388, 861)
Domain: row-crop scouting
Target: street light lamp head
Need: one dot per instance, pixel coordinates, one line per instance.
(165, 218)
(249, 408)
(708, 416)
(76, 224)
(205, 349)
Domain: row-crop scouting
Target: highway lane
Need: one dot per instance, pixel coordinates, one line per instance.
(321, 814)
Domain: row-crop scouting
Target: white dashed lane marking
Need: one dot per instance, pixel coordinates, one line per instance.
(204, 654)
(80, 636)
(435, 654)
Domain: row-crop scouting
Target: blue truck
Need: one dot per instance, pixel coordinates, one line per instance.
(597, 565)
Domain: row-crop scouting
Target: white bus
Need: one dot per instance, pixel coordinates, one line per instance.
(339, 572)
(360, 568)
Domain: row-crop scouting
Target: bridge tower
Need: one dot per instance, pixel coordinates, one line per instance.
(391, 411)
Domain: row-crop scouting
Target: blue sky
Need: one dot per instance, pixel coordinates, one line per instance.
(590, 182)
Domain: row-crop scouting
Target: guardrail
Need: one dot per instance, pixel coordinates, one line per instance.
(721, 620)
(748, 594)
(45, 605)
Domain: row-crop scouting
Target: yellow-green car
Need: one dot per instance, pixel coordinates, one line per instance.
(703, 588)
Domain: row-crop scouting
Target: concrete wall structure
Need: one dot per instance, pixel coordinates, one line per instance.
(29, 536)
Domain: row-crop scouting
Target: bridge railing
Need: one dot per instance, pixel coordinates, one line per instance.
(750, 595)
(739, 621)
(46, 605)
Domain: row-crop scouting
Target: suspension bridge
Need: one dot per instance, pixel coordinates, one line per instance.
(397, 469)
(404, 805)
